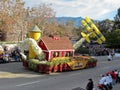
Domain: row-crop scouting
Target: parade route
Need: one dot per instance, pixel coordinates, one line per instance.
(13, 76)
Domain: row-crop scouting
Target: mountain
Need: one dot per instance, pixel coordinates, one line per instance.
(63, 20)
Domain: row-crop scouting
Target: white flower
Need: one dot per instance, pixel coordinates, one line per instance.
(35, 48)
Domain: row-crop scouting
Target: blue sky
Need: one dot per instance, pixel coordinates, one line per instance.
(95, 9)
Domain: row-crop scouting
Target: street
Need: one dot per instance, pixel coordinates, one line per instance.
(13, 76)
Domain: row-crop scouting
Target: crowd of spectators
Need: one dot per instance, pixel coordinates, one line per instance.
(7, 55)
(100, 50)
(109, 80)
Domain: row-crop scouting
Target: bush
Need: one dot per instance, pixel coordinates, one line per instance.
(82, 50)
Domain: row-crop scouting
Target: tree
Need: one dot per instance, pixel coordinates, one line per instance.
(105, 25)
(69, 28)
(117, 20)
(17, 20)
(12, 17)
(43, 16)
(113, 38)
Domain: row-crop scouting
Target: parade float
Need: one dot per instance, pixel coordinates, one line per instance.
(52, 53)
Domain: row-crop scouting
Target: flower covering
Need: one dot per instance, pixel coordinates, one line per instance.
(36, 49)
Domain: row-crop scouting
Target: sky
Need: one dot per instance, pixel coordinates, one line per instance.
(95, 9)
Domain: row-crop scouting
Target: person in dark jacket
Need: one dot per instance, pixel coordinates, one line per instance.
(90, 84)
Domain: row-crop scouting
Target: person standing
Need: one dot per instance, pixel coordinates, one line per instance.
(114, 76)
(113, 52)
(90, 85)
(110, 57)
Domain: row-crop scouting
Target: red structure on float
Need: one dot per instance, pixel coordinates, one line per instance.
(54, 46)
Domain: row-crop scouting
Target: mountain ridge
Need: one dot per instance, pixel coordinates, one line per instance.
(64, 20)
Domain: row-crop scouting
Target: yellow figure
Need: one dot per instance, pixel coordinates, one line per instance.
(86, 37)
(35, 33)
(96, 30)
(86, 26)
(84, 23)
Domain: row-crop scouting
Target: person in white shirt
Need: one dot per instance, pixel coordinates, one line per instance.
(110, 57)
(109, 81)
(103, 82)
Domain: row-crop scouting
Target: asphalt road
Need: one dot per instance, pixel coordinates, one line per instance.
(13, 76)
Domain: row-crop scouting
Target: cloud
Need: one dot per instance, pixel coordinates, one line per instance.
(81, 8)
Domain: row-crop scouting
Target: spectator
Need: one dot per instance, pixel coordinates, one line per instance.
(116, 72)
(108, 81)
(114, 77)
(90, 85)
(102, 83)
(16, 54)
(6, 55)
(109, 57)
(113, 52)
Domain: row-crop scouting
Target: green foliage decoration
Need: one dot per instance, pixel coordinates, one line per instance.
(33, 64)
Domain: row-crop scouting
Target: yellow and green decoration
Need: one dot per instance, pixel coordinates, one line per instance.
(35, 33)
(92, 31)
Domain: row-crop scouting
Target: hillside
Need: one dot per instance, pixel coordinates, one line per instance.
(63, 20)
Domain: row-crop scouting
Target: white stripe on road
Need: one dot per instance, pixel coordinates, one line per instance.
(29, 83)
(25, 84)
